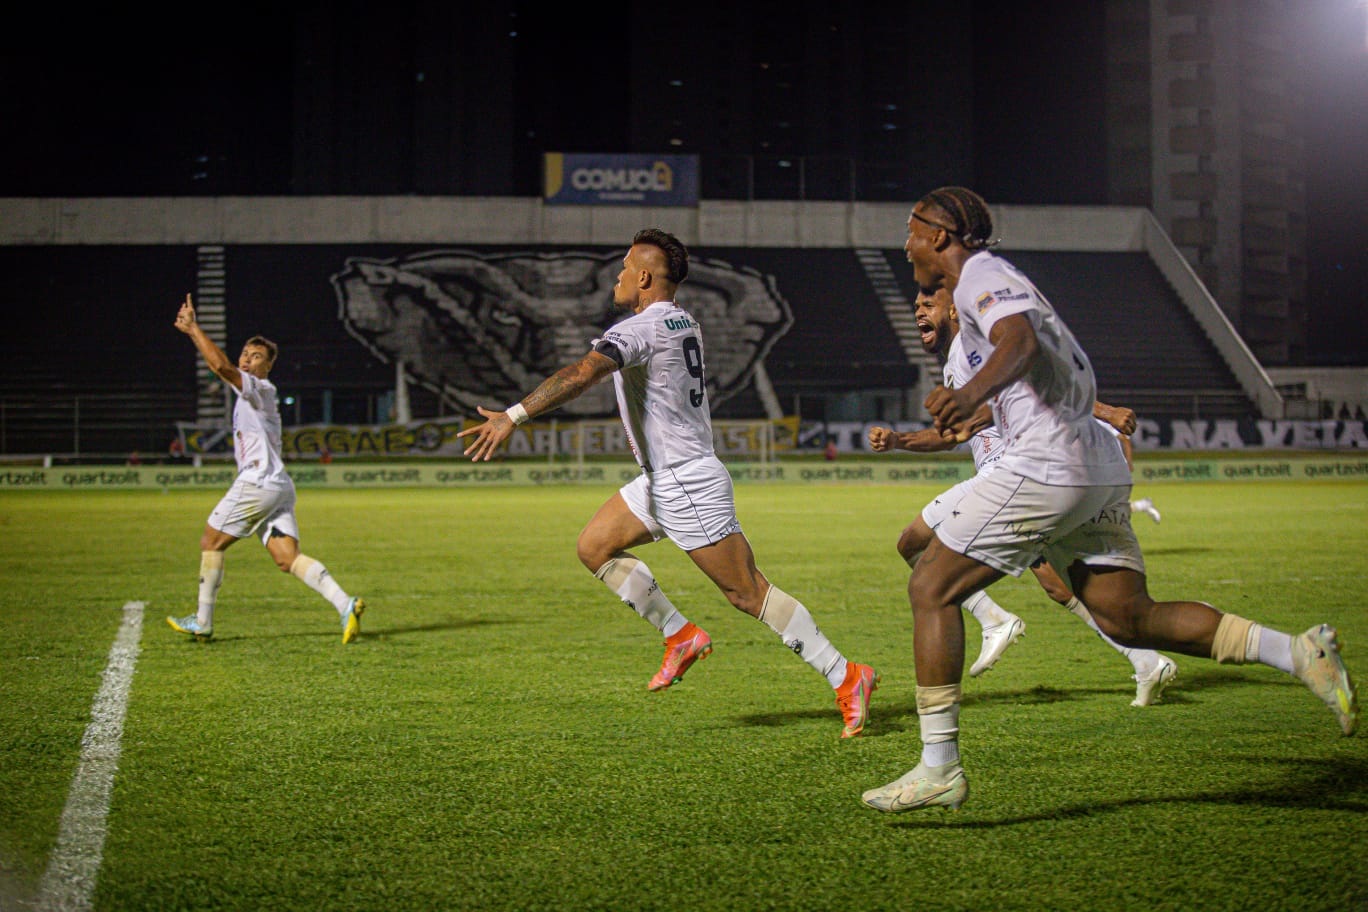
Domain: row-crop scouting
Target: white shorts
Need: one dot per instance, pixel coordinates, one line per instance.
(1009, 522)
(944, 503)
(247, 508)
(693, 503)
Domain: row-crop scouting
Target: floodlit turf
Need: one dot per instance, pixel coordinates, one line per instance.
(489, 742)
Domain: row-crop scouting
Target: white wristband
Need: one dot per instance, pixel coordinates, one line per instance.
(516, 413)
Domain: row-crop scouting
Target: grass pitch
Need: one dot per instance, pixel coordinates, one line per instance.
(489, 742)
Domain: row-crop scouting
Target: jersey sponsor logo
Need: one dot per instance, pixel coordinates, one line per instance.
(985, 301)
(678, 323)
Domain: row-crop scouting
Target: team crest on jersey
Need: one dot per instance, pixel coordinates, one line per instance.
(985, 301)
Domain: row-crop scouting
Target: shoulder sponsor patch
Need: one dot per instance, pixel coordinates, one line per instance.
(985, 301)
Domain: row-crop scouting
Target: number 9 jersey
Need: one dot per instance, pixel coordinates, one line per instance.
(661, 392)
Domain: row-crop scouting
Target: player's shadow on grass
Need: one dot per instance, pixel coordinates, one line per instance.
(371, 631)
(466, 624)
(1313, 784)
(885, 717)
(1152, 551)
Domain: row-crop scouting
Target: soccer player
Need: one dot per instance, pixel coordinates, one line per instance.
(684, 492)
(1061, 490)
(261, 500)
(939, 326)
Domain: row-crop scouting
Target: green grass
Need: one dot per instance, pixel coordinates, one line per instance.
(489, 742)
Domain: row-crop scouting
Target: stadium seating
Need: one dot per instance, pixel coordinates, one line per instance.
(91, 404)
(1149, 353)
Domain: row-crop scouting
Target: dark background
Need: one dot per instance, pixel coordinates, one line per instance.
(1005, 97)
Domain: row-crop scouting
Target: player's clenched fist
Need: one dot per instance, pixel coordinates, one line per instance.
(948, 408)
(881, 439)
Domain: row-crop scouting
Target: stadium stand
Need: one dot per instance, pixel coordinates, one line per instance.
(1148, 351)
(74, 404)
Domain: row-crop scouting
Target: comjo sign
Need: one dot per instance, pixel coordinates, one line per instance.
(650, 180)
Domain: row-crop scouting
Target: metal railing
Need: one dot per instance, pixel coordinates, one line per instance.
(89, 423)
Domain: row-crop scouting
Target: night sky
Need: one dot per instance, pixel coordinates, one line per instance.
(136, 104)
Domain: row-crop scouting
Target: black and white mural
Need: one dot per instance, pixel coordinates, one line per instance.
(487, 328)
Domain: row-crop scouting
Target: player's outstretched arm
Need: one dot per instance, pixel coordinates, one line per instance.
(214, 357)
(564, 385)
(928, 440)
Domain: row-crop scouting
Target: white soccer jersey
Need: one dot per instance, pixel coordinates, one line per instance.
(1045, 417)
(660, 389)
(256, 434)
(986, 445)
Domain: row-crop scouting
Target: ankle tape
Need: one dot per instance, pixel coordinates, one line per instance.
(937, 699)
(1230, 645)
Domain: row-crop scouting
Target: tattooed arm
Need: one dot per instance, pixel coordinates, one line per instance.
(565, 384)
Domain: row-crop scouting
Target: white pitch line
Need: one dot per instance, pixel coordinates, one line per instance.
(69, 882)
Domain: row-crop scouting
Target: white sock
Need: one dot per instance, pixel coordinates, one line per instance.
(633, 582)
(1271, 647)
(1142, 660)
(317, 578)
(986, 611)
(787, 617)
(940, 736)
(210, 578)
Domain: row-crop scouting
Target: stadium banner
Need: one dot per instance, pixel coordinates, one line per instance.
(742, 439)
(1150, 435)
(887, 470)
(617, 180)
(417, 438)
(438, 438)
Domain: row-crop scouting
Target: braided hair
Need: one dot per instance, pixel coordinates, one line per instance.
(973, 225)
